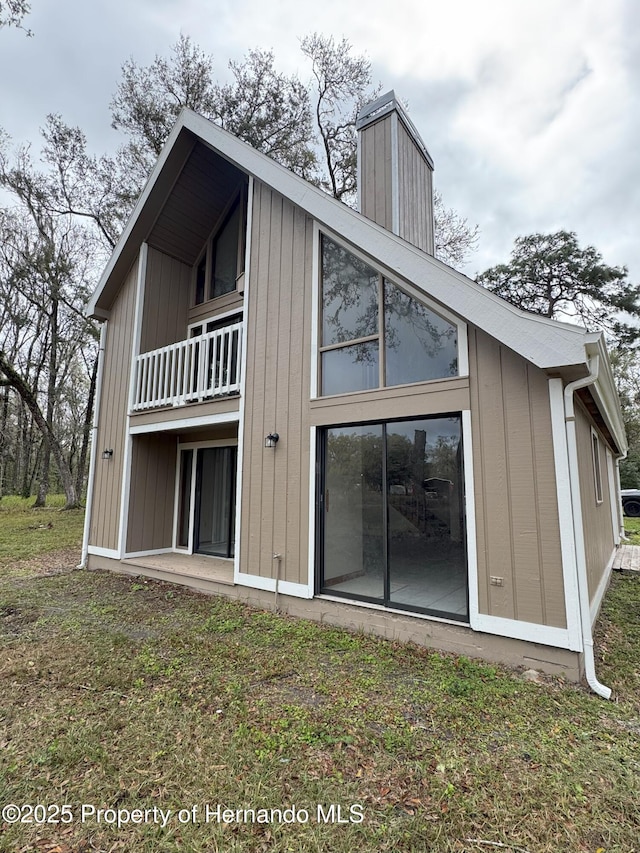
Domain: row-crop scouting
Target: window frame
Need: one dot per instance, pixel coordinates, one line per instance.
(387, 603)
(238, 200)
(395, 280)
(596, 458)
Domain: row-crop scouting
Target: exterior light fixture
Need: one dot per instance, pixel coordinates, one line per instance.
(107, 454)
(271, 440)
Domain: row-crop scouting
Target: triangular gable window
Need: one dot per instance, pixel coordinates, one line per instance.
(364, 347)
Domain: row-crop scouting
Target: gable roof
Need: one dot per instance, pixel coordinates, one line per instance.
(546, 343)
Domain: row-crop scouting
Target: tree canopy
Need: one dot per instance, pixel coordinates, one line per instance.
(13, 12)
(552, 275)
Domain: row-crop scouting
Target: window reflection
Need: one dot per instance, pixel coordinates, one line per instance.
(417, 343)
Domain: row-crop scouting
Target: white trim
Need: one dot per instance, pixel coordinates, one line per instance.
(594, 609)
(137, 322)
(243, 378)
(358, 170)
(395, 175)
(613, 501)
(176, 501)
(214, 442)
(128, 440)
(149, 553)
(94, 447)
(103, 552)
(412, 614)
(315, 310)
(470, 518)
(214, 318)
(185, 423)
(515, 629)
(298, 590)
(596, 458)
(313, 486)
(565, 513)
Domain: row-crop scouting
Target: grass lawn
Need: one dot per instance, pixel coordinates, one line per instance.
(125, 694)
(632, 530)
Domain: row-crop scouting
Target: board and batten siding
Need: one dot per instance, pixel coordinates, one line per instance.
(415, 208)
(518, 535)
(599, 536)
(376, 173)
(275, 482)
(152, 490)
(391, 165)
(112, 421)
(167, 292)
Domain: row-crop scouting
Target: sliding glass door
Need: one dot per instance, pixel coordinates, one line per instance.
(206, 500)
(392, 517)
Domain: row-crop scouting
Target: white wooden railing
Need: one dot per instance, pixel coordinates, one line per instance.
(189, 371)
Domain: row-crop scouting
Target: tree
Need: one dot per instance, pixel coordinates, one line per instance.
(626, 369)
(551, 275)
(342, 87)
(45, 269)
(13, 12)
(455, 238)
(267, 109)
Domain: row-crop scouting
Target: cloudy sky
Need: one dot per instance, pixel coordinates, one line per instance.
(530, 108)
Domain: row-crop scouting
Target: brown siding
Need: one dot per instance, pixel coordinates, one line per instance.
(518, 533)
(276, 482)
(166, 300)
(105, 513)
(375, 174)
(415, 212)
(153, 471)
(596, 517)
(432, 398)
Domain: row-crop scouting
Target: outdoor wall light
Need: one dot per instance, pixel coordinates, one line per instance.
(107, 454)
(271, 440)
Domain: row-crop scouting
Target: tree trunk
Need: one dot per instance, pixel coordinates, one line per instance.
(86, 430)
(47, 433)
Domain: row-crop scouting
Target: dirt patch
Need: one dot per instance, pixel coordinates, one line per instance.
(52, 563)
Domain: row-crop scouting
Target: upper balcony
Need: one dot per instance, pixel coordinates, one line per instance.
(200, 368)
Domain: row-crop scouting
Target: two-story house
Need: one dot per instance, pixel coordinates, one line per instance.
(299, 405)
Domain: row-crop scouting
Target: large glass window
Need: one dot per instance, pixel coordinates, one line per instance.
(373, 333)
(222, 259)
(392, 515)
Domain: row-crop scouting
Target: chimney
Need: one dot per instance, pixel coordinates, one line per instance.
(395, 172)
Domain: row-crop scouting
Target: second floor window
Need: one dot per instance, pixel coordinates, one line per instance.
(373, 334)
(222, 261)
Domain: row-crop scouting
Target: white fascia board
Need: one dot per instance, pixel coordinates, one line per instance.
(605, 393)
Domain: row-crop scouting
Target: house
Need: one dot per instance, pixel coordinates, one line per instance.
(299, 406)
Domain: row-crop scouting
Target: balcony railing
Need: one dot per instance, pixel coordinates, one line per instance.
(189, 371)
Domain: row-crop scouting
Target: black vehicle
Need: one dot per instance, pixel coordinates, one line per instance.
(631, 502)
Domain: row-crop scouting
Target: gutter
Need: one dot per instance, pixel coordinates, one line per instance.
(94, 449)
(578, 528)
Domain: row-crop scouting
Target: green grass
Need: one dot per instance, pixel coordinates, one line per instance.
(632, 530)
(28, 532)
(124, 693)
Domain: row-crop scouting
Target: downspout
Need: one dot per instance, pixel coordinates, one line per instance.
(94, 450)
(578, 528)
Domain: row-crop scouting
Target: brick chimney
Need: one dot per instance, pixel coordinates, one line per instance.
(395, 172)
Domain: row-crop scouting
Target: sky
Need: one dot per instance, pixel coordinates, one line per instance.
(529, 108)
